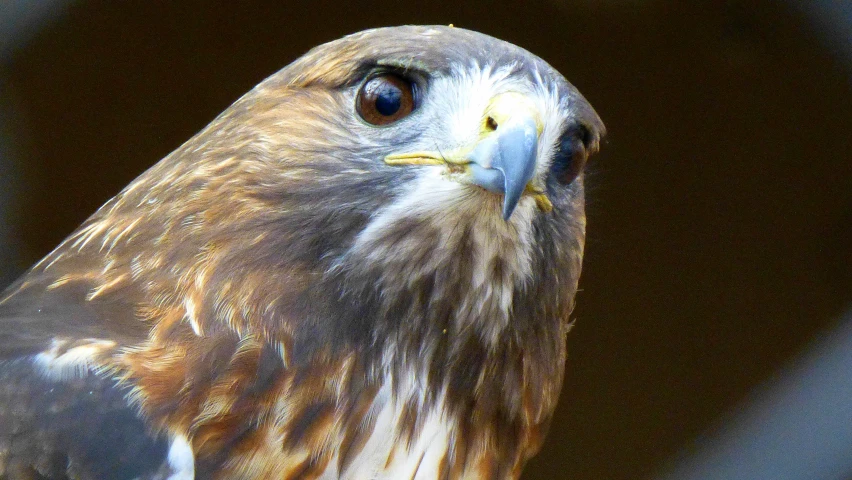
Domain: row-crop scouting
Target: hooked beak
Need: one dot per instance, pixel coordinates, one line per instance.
(504, 162)
(504, 159)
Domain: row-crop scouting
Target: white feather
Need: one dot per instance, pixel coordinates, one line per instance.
(384, 456)
(181, 459)
(76, 362)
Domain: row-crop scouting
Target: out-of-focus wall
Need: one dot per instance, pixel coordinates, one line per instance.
(8, 186)
(20, 20)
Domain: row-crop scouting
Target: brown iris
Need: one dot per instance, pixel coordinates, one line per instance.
(385, 99)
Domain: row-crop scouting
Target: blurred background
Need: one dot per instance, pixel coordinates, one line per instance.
(710, 339)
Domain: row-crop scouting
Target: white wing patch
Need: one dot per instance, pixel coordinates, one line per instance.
(181, 459)
(62, 363)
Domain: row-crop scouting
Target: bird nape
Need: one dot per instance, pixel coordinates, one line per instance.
(363, 268)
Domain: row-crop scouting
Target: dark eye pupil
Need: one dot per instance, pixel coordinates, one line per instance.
(388, 100)
(384, 99)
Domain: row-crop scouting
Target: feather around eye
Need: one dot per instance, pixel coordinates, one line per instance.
(385, 99)
(572, 150)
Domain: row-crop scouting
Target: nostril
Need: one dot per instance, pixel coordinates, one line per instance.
(491, 124)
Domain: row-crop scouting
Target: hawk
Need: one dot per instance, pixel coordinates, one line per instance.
(362, 269)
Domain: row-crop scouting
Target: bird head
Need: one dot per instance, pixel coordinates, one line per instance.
(497, 122)
(456, 151)
(432, 165)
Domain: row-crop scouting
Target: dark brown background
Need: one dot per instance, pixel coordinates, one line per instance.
(720, 213)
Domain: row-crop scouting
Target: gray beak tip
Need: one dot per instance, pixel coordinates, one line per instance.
(505, 162)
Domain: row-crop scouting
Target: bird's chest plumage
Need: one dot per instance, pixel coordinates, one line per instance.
(440, 385)
(380, 442)
(400, 434)
(453, 399)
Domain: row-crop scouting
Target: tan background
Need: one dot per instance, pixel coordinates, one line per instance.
(720, 212)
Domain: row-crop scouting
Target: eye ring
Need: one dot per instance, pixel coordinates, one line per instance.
(385, 98)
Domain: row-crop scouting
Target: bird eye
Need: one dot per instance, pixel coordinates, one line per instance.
(571, 154)
(385, 98)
